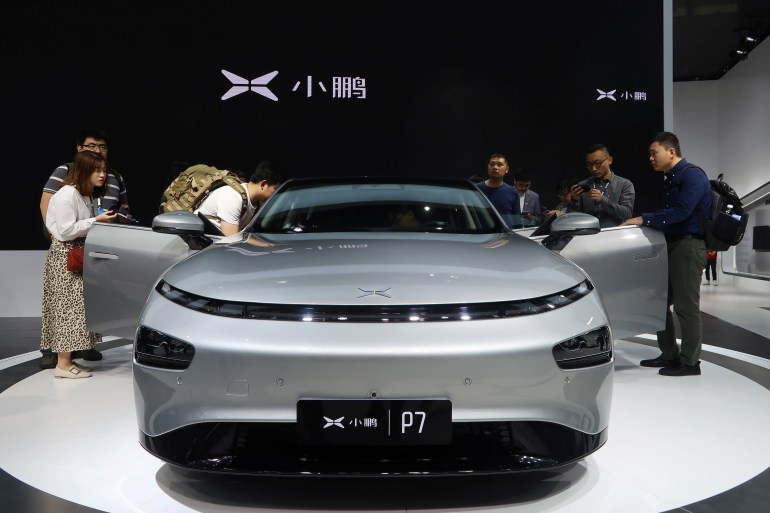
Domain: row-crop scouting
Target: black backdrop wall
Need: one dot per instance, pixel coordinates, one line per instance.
(382, 88)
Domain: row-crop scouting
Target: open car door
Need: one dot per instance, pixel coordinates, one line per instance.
(122, 263)
(628, 265)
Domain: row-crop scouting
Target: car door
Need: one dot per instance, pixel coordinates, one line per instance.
(122, 262)
(629, 266)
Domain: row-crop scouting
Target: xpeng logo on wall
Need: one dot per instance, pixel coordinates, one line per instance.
(339, 87)
(625, 95)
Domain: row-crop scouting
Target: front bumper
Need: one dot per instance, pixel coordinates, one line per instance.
(270, 449)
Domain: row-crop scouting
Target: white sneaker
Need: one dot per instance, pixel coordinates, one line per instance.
(707, 283)
(715, 284)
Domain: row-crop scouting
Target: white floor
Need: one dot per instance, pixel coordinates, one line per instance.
(78, 440)
(738, 304)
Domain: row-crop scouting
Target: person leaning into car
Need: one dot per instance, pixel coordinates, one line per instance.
(605, 195)
(95, 140)
(69, 216)
(224, 206)
(685, 194)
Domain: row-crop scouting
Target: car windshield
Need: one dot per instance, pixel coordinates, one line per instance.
(374, 204)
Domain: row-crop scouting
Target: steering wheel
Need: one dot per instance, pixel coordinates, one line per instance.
(545, 228)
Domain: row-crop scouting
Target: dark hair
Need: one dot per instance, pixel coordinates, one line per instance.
(667, 140)
(93, 133)
(567, 182)
(85, 163)
(267, 171)
(597, 147)
(522, 174)
(499, 156)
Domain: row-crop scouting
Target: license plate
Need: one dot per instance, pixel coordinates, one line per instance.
(374, 422)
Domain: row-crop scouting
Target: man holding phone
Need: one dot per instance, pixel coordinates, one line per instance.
(605, 195)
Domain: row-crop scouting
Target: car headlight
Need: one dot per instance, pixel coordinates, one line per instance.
(587, 350)
(157, 349)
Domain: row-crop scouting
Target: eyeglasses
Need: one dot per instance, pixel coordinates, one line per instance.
(595, 163)
(94, 146)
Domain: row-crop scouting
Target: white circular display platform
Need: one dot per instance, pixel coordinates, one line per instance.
(673, 441)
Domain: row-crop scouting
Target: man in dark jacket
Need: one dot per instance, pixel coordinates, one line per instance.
(687, 193)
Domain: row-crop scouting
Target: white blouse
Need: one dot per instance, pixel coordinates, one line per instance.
(70, 214)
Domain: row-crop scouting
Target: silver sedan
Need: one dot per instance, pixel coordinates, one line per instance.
(374, 326)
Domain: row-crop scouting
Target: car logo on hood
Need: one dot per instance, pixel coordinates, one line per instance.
(374, 292)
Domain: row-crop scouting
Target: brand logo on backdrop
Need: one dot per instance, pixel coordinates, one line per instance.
(625, 95)
(609, 95)
(333, 422)
(341, 87)
(241, 85)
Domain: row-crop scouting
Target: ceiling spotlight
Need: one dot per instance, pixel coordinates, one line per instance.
(750, 40)
(739, 54)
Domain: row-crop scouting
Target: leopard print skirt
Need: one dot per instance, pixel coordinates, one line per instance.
(64, 314)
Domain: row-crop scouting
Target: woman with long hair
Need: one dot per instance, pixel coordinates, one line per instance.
(71, 213)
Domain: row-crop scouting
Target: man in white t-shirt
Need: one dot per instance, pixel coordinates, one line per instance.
(224, 206)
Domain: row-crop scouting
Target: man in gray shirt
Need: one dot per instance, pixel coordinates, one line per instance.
(605, 195)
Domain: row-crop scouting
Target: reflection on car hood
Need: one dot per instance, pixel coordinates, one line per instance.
(379, 269)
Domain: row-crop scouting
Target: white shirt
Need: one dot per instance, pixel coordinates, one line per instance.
(225, 204)
(70, 214)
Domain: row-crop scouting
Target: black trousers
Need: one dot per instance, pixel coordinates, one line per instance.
(711, 264)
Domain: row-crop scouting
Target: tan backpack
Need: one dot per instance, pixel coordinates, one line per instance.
(194, 184)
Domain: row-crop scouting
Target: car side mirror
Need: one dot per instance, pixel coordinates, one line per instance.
(184, 224)
(569, 225)
(177, 223)
(575, 223)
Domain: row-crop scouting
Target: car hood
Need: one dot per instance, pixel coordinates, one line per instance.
(375, 269)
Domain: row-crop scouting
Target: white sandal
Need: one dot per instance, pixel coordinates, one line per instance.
(74, 372)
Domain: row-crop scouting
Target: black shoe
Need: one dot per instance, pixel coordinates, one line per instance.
(681, 370)
(659, 362)
(91, 355)
(48, 360)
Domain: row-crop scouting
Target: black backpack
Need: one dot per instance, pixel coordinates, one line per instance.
(726, 224)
